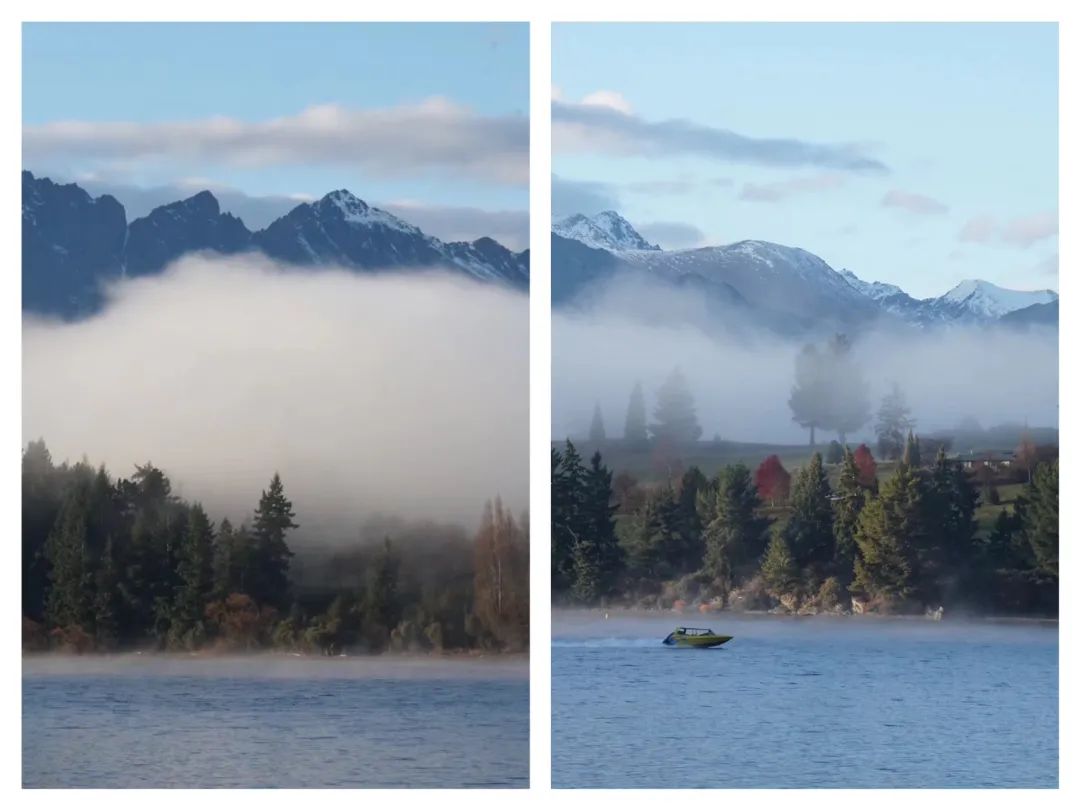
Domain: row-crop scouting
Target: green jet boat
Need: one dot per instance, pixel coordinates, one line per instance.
(694, 637)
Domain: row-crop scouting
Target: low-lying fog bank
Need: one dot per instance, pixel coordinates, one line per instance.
(465, 666)
(399, 394)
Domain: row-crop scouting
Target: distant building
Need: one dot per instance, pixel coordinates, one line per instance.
(995, 459)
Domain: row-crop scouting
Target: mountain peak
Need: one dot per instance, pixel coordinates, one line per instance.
(986, 299)
(345, 206)
(608, 230)
(203, 202)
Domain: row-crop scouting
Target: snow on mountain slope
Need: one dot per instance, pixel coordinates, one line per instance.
(786, 282)
(73, 242)
(606, 231)
(985, 300)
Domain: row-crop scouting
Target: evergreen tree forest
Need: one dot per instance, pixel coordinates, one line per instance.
(113, 563)
(837, 536)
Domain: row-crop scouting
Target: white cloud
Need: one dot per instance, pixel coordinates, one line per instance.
(607, 129)
(608, 98)
(783, 189)
(433, 135)
(1017, 232)
(912, 203)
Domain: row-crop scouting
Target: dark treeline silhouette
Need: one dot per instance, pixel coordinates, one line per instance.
(120, 563)
(801, 543)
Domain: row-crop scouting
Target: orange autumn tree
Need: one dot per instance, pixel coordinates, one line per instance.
(773, 482)
(864, 460)
(501, 578)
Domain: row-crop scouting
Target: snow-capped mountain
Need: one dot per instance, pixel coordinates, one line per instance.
(74, 242)
(344, 230)
(606, 231)
(982, 299)
(787, 287)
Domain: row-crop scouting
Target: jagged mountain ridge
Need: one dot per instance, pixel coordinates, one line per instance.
(74, 242)
(785, 284)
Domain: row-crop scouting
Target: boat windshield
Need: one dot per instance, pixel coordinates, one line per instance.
(693, 631)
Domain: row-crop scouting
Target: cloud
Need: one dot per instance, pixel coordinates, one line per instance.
(462, 223)
(681, 185)
(609, 99)
(434, 135)
(980, 229)
(570, 197)
(390, 393)
(590, 128)
(672, 235)
(782, 190)
(257, 211)
(918, 204)
(449, 223)
(1048, 266)
(1020, 232)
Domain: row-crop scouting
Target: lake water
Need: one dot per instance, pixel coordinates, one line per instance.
(270, 721)
(803, 702)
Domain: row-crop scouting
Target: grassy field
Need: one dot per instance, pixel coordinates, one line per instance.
(987, 513)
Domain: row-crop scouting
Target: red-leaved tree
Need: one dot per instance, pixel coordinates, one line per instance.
(864, 460)
(773, 482)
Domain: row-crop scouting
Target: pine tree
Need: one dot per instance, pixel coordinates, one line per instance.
(107, 630)
(912, 451)
(888, 533)
(809, 529)
(567, 508)
(597, 557)
(735, 535)
(950, 503)
(848, 502)
(596, 429)
(778, 567)
(676, 420)
(1038, 511)
(41, 500)
(70, 597)
(655, 543)
(273, 520)
(835, 453)
(223, 560)
(636, 433)
(196, 572)
(689, 526)
(382, 603)
(893, 422)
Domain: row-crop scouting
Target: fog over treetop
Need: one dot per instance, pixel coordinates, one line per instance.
(735, 317)
(382, 394)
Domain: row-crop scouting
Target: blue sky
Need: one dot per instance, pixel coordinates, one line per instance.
(466, 149)
(954, 127)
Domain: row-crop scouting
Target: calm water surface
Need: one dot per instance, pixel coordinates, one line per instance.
(144, 721)
(804, 702)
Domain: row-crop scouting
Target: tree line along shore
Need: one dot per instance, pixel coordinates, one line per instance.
(123, 563)
(914, 529)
